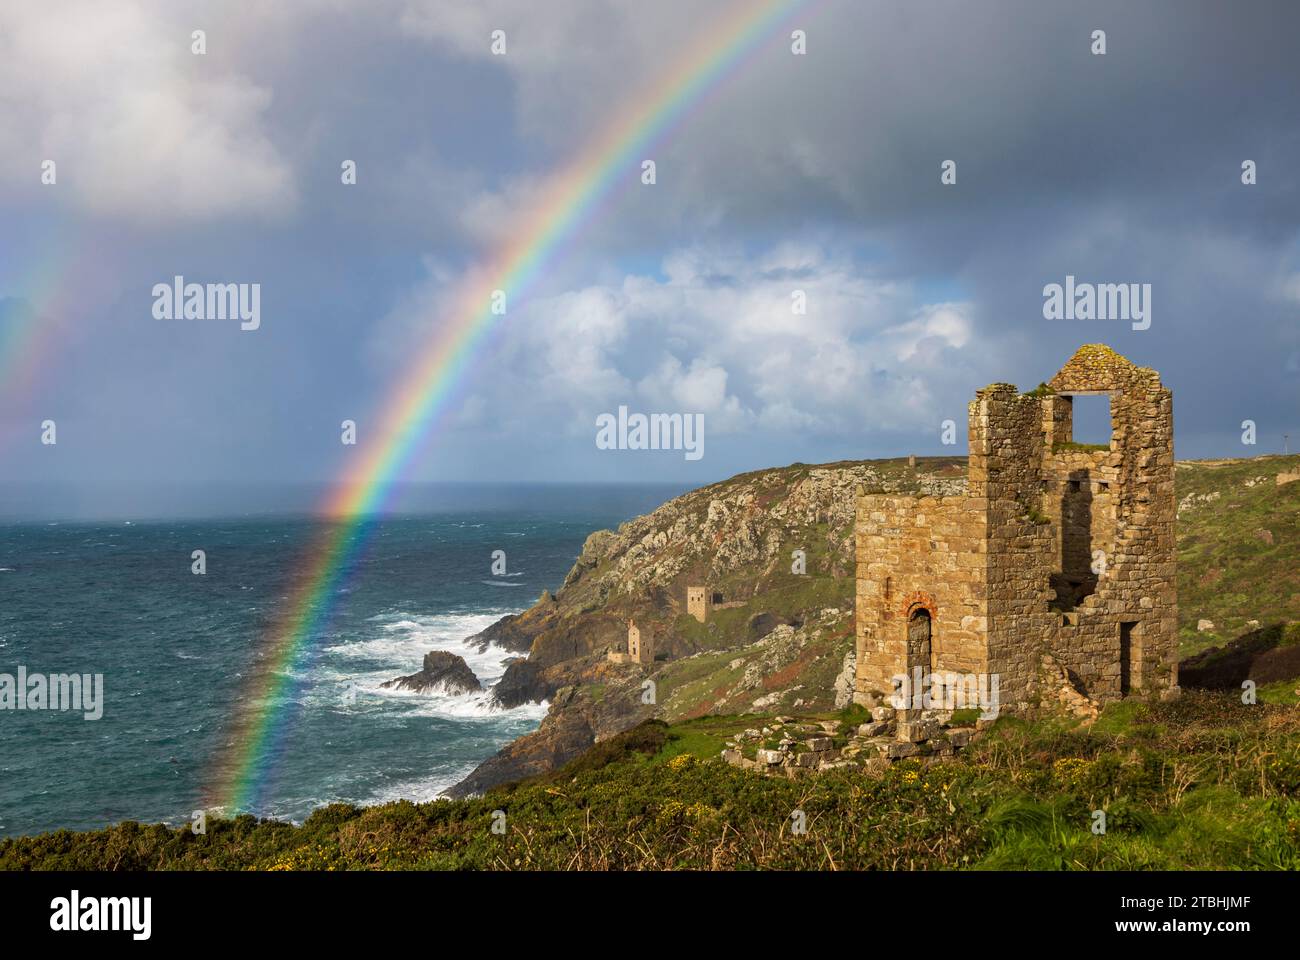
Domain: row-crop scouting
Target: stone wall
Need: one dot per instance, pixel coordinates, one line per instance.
(919, 552)
(1132, 525)
(1007, 447)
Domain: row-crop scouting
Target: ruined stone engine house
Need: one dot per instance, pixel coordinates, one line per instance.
(1055, 552)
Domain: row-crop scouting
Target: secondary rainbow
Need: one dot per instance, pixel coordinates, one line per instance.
(570, 200)
(31, 333)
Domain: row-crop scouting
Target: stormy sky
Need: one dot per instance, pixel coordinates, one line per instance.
(818, 172)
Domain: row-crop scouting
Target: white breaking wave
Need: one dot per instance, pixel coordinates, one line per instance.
(402, 643)
(423, 790)
(448, 706)
(399, 649)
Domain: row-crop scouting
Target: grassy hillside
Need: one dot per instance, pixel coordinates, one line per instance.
(1201, 783)
(1238, 547)
(1269, 657)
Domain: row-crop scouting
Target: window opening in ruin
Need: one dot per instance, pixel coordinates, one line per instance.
(1078, 575)
(1126, 657)
(1090, 417)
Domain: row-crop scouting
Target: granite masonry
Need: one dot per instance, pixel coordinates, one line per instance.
(640, 645)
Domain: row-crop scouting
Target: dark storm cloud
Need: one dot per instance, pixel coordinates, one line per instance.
(820, 170)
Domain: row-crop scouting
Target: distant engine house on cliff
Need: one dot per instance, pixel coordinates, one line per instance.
(640, 645)
(1056, 550)
(698, 602)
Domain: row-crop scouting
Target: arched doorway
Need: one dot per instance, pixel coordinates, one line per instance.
(918, 652)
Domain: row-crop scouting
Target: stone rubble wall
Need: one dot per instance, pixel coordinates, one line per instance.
(1006, 458)
(1135, 529)
(918, 551)
(789, 747)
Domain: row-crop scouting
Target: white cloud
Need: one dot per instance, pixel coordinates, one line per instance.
(934, 327)
(138, 125)
(699, 387)
(717, 335)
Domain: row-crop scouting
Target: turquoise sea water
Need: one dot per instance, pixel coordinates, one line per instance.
(119, 598)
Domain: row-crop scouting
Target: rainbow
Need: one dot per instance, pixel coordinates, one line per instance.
(28, 339)
(571, 199)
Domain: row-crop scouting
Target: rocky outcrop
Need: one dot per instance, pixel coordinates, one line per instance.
(507, 633)
(600, 701)
(593, 699)
(563, 735)
(844, 682)
(523, 682)
(789, 650)
(594, 550)
(443, 672)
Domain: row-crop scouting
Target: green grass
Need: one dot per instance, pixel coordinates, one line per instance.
(705, 737)
(1279, 692)
(1063, 445)
(709, 682)
(852, 716)
(1119, 718)
(784, 595)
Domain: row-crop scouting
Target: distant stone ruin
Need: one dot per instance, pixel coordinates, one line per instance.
(1057, 552)
(698, 603)
(640, 645)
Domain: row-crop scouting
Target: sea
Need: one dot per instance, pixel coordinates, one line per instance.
(119, 598)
